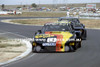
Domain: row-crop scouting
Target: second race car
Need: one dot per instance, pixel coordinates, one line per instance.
(76, 25)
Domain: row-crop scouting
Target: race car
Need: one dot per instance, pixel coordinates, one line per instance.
(57, 37)
(76, 25)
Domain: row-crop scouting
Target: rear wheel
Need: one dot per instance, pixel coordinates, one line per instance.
(72, 49)
(84, 35)
(79, 45)
(75, 46)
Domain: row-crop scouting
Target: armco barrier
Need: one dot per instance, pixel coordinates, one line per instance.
(89, 15)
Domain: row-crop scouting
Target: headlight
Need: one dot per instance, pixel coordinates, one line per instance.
(51, 39)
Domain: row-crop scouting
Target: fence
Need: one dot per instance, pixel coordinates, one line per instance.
(89, 15)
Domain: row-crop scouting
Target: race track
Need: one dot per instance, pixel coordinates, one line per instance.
(87, 56)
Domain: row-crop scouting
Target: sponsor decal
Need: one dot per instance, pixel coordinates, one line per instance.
(49, 44)
(43, 36)
(55, 39)
(40, 40)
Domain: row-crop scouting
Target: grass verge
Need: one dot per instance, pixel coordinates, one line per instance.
(10, 49)
(34, 21)
(9, 45)
(89, 23)
(38, 14)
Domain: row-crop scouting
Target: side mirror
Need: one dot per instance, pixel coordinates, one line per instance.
(38, 32)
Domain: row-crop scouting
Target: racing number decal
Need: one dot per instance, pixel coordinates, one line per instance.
(58, 43)
(61, 39)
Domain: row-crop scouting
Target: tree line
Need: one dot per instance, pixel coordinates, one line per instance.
(33, 5)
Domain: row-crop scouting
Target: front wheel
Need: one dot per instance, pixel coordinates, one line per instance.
(79, 45)
(69, 49)
(37, 48)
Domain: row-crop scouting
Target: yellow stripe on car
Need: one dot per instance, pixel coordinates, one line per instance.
(66, 37)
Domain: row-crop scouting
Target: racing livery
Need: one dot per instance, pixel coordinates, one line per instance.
(76, 25)
(57, 37)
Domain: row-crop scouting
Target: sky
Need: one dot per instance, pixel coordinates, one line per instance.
(18, 2)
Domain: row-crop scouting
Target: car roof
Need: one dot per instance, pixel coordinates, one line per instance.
(57, 23)
(64, 22)
(68, 18)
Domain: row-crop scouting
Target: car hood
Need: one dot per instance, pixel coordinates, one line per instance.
(61, 36)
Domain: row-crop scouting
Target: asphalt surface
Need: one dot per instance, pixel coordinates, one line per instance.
(19, 29)
(87, 56)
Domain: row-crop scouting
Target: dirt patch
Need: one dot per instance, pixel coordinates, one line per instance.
(89, 23)
(31, 21)
(38, 14)
(10, 49)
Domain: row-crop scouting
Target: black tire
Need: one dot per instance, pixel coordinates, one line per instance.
(69, 49)
(84, 36)
(79, 45)
(74, 47)
(37, 48)
(32, 49)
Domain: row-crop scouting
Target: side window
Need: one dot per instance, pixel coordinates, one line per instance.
(78, 21)
(70, 28)
(43, 29)
(59, 19)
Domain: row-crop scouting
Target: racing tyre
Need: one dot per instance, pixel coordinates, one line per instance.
(67, 48)
(79, 45)
(37, 48)
(84, 36)
(32, 49)
(71, 49)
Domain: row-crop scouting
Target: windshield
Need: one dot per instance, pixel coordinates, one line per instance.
(71, 20)
(55, 28)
